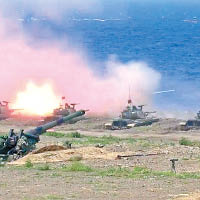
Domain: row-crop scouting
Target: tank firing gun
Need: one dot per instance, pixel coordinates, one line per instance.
(17, 145)
(63, 110)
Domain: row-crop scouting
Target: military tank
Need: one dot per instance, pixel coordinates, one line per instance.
(132, 116)
(16, 145)
(63, 110)
(5, 111)
(191, 123)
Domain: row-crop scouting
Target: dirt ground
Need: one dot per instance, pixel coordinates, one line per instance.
(162, 138)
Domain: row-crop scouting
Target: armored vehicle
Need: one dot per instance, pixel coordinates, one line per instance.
(16, 145)
(191, 123)
(131, 116)
(5, 111)
(63, 110)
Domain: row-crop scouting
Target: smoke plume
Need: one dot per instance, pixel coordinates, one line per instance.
(70, 72)
(72, 76)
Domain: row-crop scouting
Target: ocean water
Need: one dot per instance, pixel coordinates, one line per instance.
(164, 35)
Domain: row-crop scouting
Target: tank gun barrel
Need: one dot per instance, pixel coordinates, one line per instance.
(20, 145)
(41, 129)
(150, 112)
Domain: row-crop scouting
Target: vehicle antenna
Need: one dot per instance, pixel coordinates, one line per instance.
(129, 98)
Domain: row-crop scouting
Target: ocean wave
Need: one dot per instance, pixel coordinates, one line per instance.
(194, 20)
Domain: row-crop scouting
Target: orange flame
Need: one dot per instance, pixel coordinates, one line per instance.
(37, 100)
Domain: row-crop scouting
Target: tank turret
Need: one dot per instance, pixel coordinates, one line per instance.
(131, 116)
(63, 110)
(133, 112)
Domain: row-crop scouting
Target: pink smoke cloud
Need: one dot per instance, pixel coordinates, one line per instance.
(71, 75)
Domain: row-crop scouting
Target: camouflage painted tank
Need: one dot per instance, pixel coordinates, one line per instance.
(131, 116)
(63, 110)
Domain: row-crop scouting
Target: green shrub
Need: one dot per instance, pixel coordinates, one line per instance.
(28, 164)
(74, 135)
(55, 134)
(77, 167)
(186, 142)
